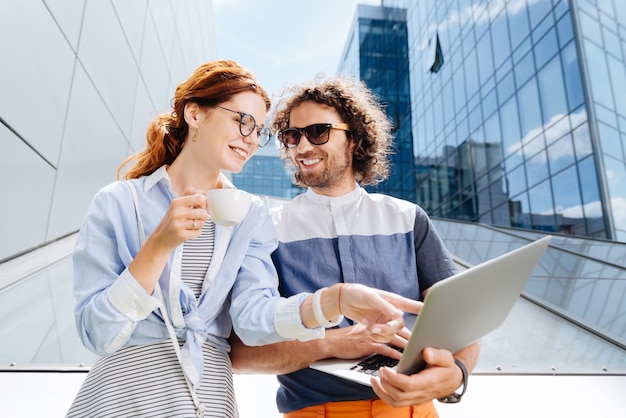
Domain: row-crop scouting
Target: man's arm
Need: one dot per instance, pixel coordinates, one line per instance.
(286, 357)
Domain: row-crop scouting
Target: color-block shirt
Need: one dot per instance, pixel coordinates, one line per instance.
(372, 239)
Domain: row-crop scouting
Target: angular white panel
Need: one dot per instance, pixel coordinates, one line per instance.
(35, 76)
(26, 192)
(93, 148)
(107, 59)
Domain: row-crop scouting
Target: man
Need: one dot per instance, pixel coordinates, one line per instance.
(337, 138)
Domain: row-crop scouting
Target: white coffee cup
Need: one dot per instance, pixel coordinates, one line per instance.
(227, 207)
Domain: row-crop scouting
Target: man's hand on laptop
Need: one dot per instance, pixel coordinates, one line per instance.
(355, 342)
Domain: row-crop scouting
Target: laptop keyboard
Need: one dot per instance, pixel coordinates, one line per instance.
(371, 364)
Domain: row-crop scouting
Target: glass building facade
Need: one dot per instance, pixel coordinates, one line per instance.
(377, 52)
(517, 111)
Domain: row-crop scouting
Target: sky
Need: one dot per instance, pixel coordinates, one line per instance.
(284, 41)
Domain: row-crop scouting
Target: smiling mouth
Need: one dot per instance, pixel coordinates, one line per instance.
(310, 162)
(240, 152)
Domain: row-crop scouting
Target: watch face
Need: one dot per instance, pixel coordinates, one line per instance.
(454, 398)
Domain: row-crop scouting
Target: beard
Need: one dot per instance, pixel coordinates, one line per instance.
(335, 171)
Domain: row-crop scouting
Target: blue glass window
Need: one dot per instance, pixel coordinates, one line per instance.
(525, 69)
(518, 23)
(500, 39)
(537, 167)
(510, 127)
(538, 10)
(573, 85)
(582, 141)
(552, 90)
(564, 29)
(506, 87)
(516, 181)
(485, 58)
(542, 207)
(567, 202)
(610, 141)
(546, 48)
(590, 28)
(599, 75)
(617, 192)
(471, 73)
(561, 154)
(529, 110)
(617, 70)
(520, 211)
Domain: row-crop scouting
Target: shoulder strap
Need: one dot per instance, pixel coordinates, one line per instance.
(166, 318)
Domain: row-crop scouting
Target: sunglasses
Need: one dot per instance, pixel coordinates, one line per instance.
(317, 134)
(247, 125)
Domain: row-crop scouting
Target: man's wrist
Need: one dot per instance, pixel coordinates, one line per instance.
(456, 396)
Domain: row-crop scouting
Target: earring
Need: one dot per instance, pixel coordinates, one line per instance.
(195, 136)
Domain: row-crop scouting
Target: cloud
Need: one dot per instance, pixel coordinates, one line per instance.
(582, 141)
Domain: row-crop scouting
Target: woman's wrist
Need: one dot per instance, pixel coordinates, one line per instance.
(326, 306)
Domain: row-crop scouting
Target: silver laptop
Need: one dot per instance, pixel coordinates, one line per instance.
(457, 311)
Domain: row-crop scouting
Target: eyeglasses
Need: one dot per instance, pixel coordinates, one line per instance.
(247, 125)
(317, 134)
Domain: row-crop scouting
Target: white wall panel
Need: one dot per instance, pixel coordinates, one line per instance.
(142, 115)
(157, 75)
(69, 15)
(79, 83)
(132, 16)
(35, 76)
(93, 148)
(108, 60)
(26, 191)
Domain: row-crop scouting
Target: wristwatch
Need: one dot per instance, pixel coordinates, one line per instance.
(456, 397)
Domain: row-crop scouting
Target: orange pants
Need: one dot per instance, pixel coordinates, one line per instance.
(364, 409)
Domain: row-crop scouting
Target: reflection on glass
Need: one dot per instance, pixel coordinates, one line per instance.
(516, 180)
(529, 109)
(485, 58)
(559, 126)
(518, 23)
(537, 167)
(500, 39)
(617, 68)
(599, 75)
(564, 29)
(567, 204)
(546, 48)
(590, 28)
(506, 86)
(561, 153)
(582, 140)
(542, 207)
(552, 90)
(525, 69)
(610, 140)
(510, 126)
(573, 84)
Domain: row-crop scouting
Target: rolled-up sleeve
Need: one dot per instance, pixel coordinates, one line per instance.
(260, 316)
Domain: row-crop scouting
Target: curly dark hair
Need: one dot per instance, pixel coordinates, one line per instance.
(370, 129)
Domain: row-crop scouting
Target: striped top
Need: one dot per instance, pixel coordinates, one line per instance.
(147, 380)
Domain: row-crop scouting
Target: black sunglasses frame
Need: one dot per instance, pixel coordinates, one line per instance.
(307, 131)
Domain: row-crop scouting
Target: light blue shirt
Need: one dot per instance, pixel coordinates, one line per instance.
(239, 290)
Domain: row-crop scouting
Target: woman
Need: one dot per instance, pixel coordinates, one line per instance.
(211, 278)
